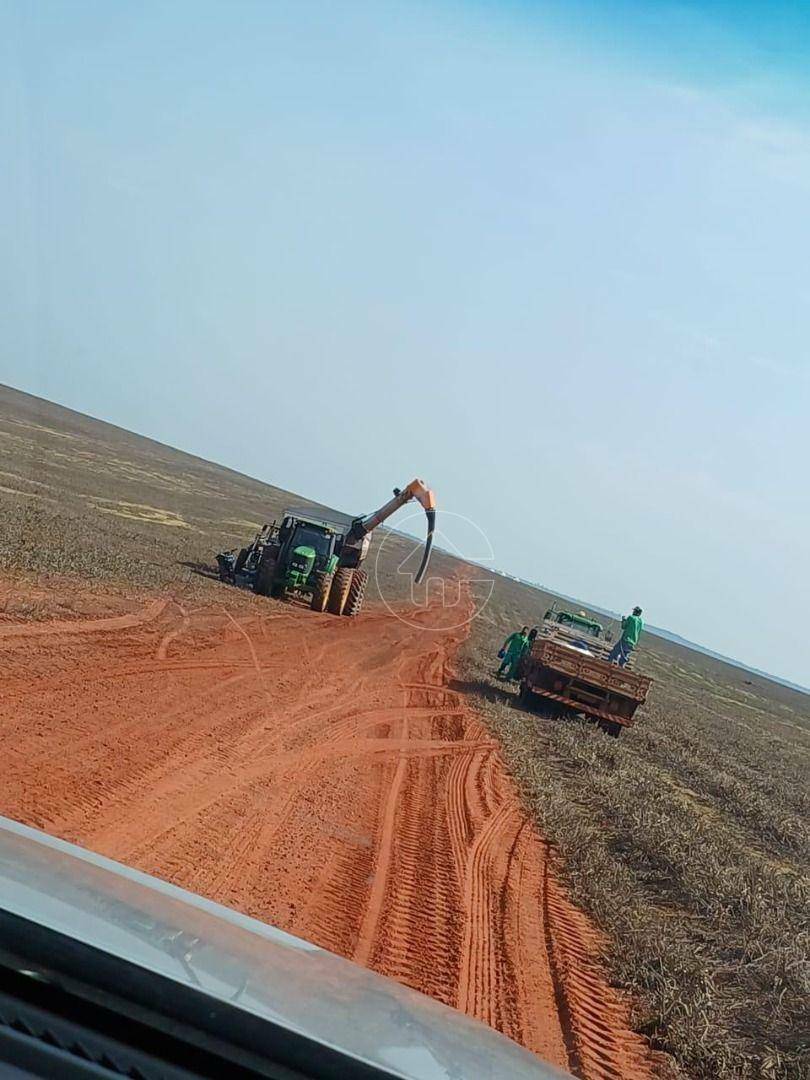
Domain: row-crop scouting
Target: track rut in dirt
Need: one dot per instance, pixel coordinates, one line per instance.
(321, 774)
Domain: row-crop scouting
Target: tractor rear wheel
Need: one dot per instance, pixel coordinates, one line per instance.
(320, 594)
(240, 561)
(357, 591)
(263, 582)
(339, 593)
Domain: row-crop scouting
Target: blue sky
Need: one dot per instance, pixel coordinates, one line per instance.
(553, 257)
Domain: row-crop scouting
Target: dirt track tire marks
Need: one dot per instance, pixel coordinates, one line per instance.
(460, 776)
(320, 774)
(419, 925)
(599, 1045)
(85, 626)
(170, 636)
(479, 961)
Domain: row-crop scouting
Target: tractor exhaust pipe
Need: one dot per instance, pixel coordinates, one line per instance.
(431, 517)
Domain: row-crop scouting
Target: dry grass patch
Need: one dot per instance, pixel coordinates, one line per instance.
(687, 840)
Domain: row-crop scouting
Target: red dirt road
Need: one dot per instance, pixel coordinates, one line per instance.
(321, 774)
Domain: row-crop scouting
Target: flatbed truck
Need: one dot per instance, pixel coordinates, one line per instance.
(572, 673)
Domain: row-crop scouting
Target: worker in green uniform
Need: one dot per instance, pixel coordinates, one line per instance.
(511, 652)
(517, 670)
(631, 632)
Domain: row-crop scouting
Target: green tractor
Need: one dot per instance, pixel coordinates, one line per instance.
(576, 628)
(319, 556)
(576, 620)
(299, 557)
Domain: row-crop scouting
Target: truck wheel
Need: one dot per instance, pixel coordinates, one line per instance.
(357, 591)
(339, 593)
(610, 727)
(263, 582)
(320, 595)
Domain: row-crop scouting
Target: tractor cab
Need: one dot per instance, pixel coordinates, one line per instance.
(574, 628)
(307, 545)
(298, 556)
(579, 621)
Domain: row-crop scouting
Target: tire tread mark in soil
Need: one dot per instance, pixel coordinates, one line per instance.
(171, 635)
(119, 788)
(461, 773)
(421, 919)
(599, 1044)
(374, 904)
(477, 974)
(84, 626)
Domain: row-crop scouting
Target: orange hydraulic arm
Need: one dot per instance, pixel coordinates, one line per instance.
(417, 489)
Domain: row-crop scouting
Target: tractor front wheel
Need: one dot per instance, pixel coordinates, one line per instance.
(357, 591)
(263, 582)
(339, 593)
(320, 594)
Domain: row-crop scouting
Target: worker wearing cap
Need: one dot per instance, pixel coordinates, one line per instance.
(511, 652)
(631, 632)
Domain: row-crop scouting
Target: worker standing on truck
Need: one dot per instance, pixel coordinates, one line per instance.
(631, 632)
(512, 651)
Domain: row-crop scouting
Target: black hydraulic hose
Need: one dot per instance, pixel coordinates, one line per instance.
(431, 516)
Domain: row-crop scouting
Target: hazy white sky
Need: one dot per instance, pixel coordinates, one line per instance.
(552, 257)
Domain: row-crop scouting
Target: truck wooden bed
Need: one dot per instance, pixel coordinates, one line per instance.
(561, 673)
